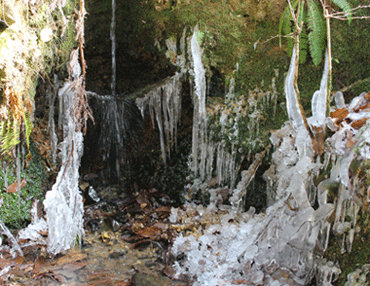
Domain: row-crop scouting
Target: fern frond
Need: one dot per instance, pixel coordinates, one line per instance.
(284, 23)
(345, 7)
(11, 133)
(303, 46)
(15, 133)
(303, 38)
(317, 35)
(285, 26)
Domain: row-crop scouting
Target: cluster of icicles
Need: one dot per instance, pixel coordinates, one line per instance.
(282, 245)
(164, 104)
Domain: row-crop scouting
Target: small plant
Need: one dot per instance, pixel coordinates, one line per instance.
(311, 25)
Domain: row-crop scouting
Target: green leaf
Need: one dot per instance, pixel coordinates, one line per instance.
(345, 7)
(317, 35)
(303, 38)
(284, 23)
(286, 26)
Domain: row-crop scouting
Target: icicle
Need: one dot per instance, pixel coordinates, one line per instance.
(164, 104)
(199, 101)
(16, 248)
(339, 100)
(318, 102)
(294, 111)
(199, 73)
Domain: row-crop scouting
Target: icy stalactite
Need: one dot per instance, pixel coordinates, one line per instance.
(292, 104)
(358, 277)
(199, 102)
(164, 100)
(63, 204)
(199, 73)
(327, 272)
(15, 250)
(319, 99)
(164, 104)
(204, 151)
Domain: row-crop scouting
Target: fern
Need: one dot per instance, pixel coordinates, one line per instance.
(11, 132)
(285, 23)
(317, 36)
(303, 41)
(345, 7)
(285, 26)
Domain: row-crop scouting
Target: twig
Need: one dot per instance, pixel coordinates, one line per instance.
(3, 10)
(291, 35)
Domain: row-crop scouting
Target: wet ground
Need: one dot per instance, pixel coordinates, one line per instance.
(126, 243)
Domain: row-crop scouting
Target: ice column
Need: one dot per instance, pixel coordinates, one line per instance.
(292, 103)
(318, 102)
(63, 204)
(199, 99)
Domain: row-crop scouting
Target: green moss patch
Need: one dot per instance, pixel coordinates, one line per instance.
(15, 211)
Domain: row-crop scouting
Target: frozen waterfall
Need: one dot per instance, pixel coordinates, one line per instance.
(63, 204)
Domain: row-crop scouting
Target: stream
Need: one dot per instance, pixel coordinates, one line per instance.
(126, 243)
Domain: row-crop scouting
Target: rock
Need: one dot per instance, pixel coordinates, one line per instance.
(154, 279)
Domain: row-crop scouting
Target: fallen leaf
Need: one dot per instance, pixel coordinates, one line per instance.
(14, 187)
(151, 232)
(71, 258)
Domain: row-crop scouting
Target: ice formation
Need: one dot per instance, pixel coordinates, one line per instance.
(164, 99)
(279, 247)
(63, 204)
(199, 74)
(319, 99)
(292, 104)
(199, 146)
(164, 104)
(206, 154)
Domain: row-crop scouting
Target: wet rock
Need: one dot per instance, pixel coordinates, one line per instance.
(90, 177)
(154, 279)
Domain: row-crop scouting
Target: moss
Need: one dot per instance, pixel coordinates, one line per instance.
(360, 253)
(15, 211)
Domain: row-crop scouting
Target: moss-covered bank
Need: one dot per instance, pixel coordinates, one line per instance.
(36, 39)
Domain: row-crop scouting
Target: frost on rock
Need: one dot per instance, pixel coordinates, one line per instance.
(63, 204)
